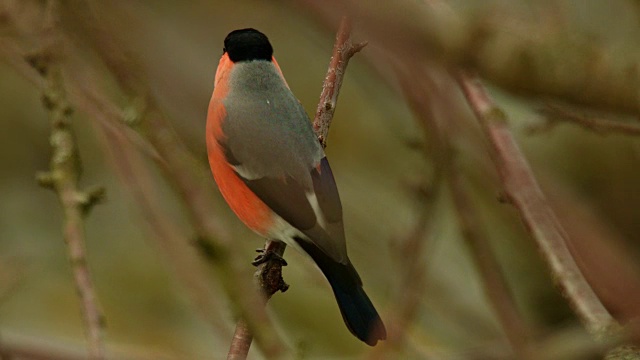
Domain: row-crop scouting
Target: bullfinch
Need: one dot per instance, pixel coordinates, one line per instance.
(273, 173)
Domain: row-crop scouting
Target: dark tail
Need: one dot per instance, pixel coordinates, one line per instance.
(358, 312)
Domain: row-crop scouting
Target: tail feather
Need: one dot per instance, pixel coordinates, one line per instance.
(356, 308)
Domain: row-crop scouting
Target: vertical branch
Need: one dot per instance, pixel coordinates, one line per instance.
(269, 274)
(269, 281)
(241, 341)
(524, 193)
(428, 100)
(63, 177)
(495, 286)
(343, 50)
(184, 172)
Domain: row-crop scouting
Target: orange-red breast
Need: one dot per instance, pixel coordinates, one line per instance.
(273, 173)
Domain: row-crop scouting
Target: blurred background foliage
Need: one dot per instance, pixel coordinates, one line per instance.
(377, 151)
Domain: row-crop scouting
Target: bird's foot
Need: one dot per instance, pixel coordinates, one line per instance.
(266, 255)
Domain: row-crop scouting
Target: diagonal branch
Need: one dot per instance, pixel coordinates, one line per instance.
(524, 193)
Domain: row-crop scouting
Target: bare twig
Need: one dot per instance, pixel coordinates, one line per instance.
(411, 281)
(412, 271)
(121, 143)
(270, 281)
(127, 162)
(432, 104)
(185, 172)
(270, 273)
(33, 351)
(12, 274)
(343, 50)
(241, 341)
(556, 114)
(14, 347)
(524, 193)
(495, 286)
(63, 177)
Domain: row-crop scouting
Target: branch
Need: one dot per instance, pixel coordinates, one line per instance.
(190, 179)
(432, 105)
(343, 50)
(270, 273)
(63, 177)
(13, 347)
(548, 57)
(495, 285)
(134, 175)
(525, 194)
(36, 351)
(269, 281)
(556, 114)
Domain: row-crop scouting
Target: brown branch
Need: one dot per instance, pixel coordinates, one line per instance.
(14, 347)
(524, 193)
(412, 276)
(121, 143)
(432, 103)
(556, 114)
(495, 285)
(270, 274)
(63, 177)
(343, 50)
(270, 281)
(183, 170)
(134, 174)
(36, 351)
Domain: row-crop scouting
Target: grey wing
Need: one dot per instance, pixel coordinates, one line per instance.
(316, 211)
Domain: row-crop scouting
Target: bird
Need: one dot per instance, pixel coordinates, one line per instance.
(272, 171)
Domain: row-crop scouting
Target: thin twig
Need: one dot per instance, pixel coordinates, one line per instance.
(556, 114)
(36, 351)
(412, 272)
(524, 193)
(270, 281)
(134, 174)
(495, 285)
(428, 100)
(184, 171)
(63, 177)
(121, 143)
(343, 50)
(483, 39)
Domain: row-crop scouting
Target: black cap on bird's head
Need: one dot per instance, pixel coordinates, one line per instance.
(247, 44)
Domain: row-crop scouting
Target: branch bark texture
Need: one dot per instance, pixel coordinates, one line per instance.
(523, 191)
(63, 177)
(269, 274)
(343, 50)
